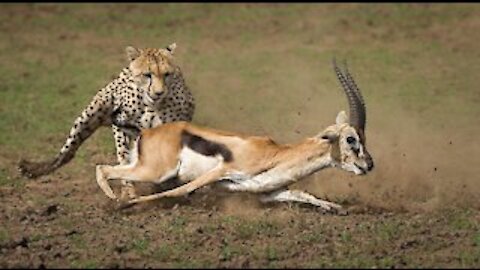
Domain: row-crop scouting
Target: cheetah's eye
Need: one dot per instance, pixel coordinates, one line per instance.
(148, 75)
(350, 140)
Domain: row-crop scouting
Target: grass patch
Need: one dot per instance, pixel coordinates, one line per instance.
(346, 236)
(469, 258)
(140, 246)
(10, 181)
(312, 237)
(4, 236)
(271, 253)
(78, 241)
(66, 223)
(84, 264)
(461, 220)
(476, 239)
(173, 252)
(246, 229)
(166, 252)
(227, 253)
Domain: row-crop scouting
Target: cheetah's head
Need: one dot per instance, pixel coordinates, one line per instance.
(150, 67)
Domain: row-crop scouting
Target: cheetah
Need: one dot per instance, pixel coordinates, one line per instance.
(149, 92)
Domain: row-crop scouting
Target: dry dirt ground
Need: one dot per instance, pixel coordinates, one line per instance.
(259, 69)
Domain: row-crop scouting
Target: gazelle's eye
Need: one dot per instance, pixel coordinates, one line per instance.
(351, 140)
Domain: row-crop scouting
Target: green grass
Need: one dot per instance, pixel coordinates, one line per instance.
(469, 258)
(140, 245)
(68, 224)
(346, 236)
(78, 241)
(462, 220)
(4, 236)
(476, 239)
(84, 264)
(176, 253)
(165, 252)
(4, 178)
(271, 253)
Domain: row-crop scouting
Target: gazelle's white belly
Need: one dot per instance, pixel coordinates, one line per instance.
(193, 164)
(267, 181)
(273, 179)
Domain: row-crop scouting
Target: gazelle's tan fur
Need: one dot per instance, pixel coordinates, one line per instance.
(200, 156)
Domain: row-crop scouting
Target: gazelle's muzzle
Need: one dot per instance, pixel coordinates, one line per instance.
(368, 160)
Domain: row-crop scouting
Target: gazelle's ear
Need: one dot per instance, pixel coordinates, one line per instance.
(132, 53)
(171, 48)
(342, 118)
(330, 135)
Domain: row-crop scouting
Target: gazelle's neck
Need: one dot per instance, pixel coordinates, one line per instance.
(313, 164)
(308, 156)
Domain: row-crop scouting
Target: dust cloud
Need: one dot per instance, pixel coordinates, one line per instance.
(418, 167)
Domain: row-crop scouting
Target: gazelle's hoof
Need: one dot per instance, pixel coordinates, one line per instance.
(103, 183)
(342, 212)
(334, 209)
(122, 205)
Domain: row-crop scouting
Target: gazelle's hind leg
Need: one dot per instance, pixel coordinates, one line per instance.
(124, 157)
(205, 179)
(102, 181)
(285, 195)
(123, 172)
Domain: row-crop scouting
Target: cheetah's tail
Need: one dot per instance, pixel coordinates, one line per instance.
(36, 169)
(83, 127)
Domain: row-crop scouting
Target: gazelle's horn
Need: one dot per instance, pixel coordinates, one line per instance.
(362, 116)
(357, 113)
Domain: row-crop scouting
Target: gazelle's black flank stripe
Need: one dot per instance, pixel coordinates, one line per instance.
(206, 147)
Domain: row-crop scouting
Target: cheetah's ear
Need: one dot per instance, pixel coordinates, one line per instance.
(171, 48)
(132, 53)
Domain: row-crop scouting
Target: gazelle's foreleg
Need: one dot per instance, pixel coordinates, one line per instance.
(285, 195)
(207, 178)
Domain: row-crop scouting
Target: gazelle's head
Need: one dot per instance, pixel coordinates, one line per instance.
(150, 69)
(347, 135)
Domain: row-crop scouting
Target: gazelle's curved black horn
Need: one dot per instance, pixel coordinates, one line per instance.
(362, 116)
(355, 106)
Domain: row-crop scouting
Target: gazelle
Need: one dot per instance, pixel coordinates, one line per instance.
(200, 156)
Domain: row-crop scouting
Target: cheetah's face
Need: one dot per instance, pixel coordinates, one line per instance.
(150, 67)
